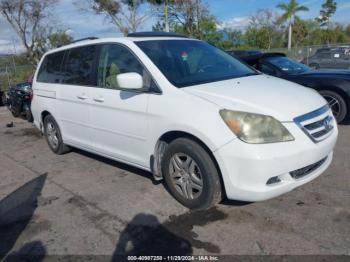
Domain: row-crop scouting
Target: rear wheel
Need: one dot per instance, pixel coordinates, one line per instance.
(53, 136)
(191, 175)
(337, 104)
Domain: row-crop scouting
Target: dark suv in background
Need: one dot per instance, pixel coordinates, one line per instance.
(333, 85)
(331, 58)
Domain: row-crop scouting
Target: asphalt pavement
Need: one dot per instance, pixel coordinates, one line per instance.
(83, 204)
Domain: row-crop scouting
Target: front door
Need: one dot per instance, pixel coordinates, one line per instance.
(119, 118)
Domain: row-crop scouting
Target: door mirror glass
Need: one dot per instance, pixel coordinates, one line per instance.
(130, 81)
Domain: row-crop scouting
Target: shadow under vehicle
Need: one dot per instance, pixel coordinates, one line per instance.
(19, 100)
(330, 58)
(333, 85)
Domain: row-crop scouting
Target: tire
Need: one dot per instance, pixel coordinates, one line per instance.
(195, 161)
(314, 66)
(53, 136)
(29, 116)
(337, 103)
(15, 113)
(3, 99)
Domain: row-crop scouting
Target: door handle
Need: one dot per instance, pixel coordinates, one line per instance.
(83, 97)
(100, 99)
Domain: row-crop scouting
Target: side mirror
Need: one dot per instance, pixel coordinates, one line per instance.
(130, 81)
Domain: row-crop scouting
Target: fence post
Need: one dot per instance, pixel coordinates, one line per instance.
(8, 79)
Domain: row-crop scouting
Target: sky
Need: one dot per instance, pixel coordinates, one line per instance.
(230, 13)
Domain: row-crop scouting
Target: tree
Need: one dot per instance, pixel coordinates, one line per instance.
(27, 18)
(328, 10)
(347, 30)
(166, 24)
(59, 38)
(48, 38)
(235, 38)
(265, 24)
(300, 32)
(125, 14)
(289, 16)
(192, 18)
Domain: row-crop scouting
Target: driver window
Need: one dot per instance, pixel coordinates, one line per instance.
(267, 69)
(114, 60)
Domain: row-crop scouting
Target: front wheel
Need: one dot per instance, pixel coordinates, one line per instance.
(191, 175)
(337, 104)
(53, 136)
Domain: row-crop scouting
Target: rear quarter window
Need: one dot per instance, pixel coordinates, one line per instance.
(50, 69)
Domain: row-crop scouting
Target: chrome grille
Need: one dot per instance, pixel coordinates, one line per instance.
(318, 124)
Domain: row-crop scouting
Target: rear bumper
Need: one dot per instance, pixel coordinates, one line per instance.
(246, 168)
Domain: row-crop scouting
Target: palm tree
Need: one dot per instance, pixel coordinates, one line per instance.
(289, 15)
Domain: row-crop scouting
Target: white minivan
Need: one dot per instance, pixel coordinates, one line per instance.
(207, 124)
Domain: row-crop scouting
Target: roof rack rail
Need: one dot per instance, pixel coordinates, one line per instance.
(86, 38)
(155, 34)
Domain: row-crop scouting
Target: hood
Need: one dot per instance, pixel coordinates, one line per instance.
(328, 73)
(260, 94)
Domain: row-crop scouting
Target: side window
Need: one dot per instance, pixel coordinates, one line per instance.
(114, 60)
(324, 55)
(266, 69)
(79, 66)
(50, 70)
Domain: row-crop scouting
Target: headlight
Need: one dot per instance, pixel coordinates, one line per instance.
(255, 128)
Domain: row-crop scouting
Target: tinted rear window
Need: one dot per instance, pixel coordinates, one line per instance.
(50, 70)
(79, 66)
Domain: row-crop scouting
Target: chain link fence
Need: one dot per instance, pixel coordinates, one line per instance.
(335, 56)
(13, 68)
(11, 75)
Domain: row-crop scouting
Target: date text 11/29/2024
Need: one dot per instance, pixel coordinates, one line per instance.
(173, 258)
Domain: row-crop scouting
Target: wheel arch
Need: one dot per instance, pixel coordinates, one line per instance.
(340, 92)
(336, 89)
(43, 114)
(165, 139)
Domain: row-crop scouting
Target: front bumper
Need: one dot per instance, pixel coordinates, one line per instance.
(246, 168)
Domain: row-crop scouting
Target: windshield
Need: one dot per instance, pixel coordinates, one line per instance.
(287, 65)
(191, 62)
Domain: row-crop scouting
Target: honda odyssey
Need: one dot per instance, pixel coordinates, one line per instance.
(191, 114)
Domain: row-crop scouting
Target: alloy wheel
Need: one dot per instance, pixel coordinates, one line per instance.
(186, 176)
(52, 134)
(334, 104)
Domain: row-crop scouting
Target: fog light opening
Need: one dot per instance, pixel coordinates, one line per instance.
(273, 180)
